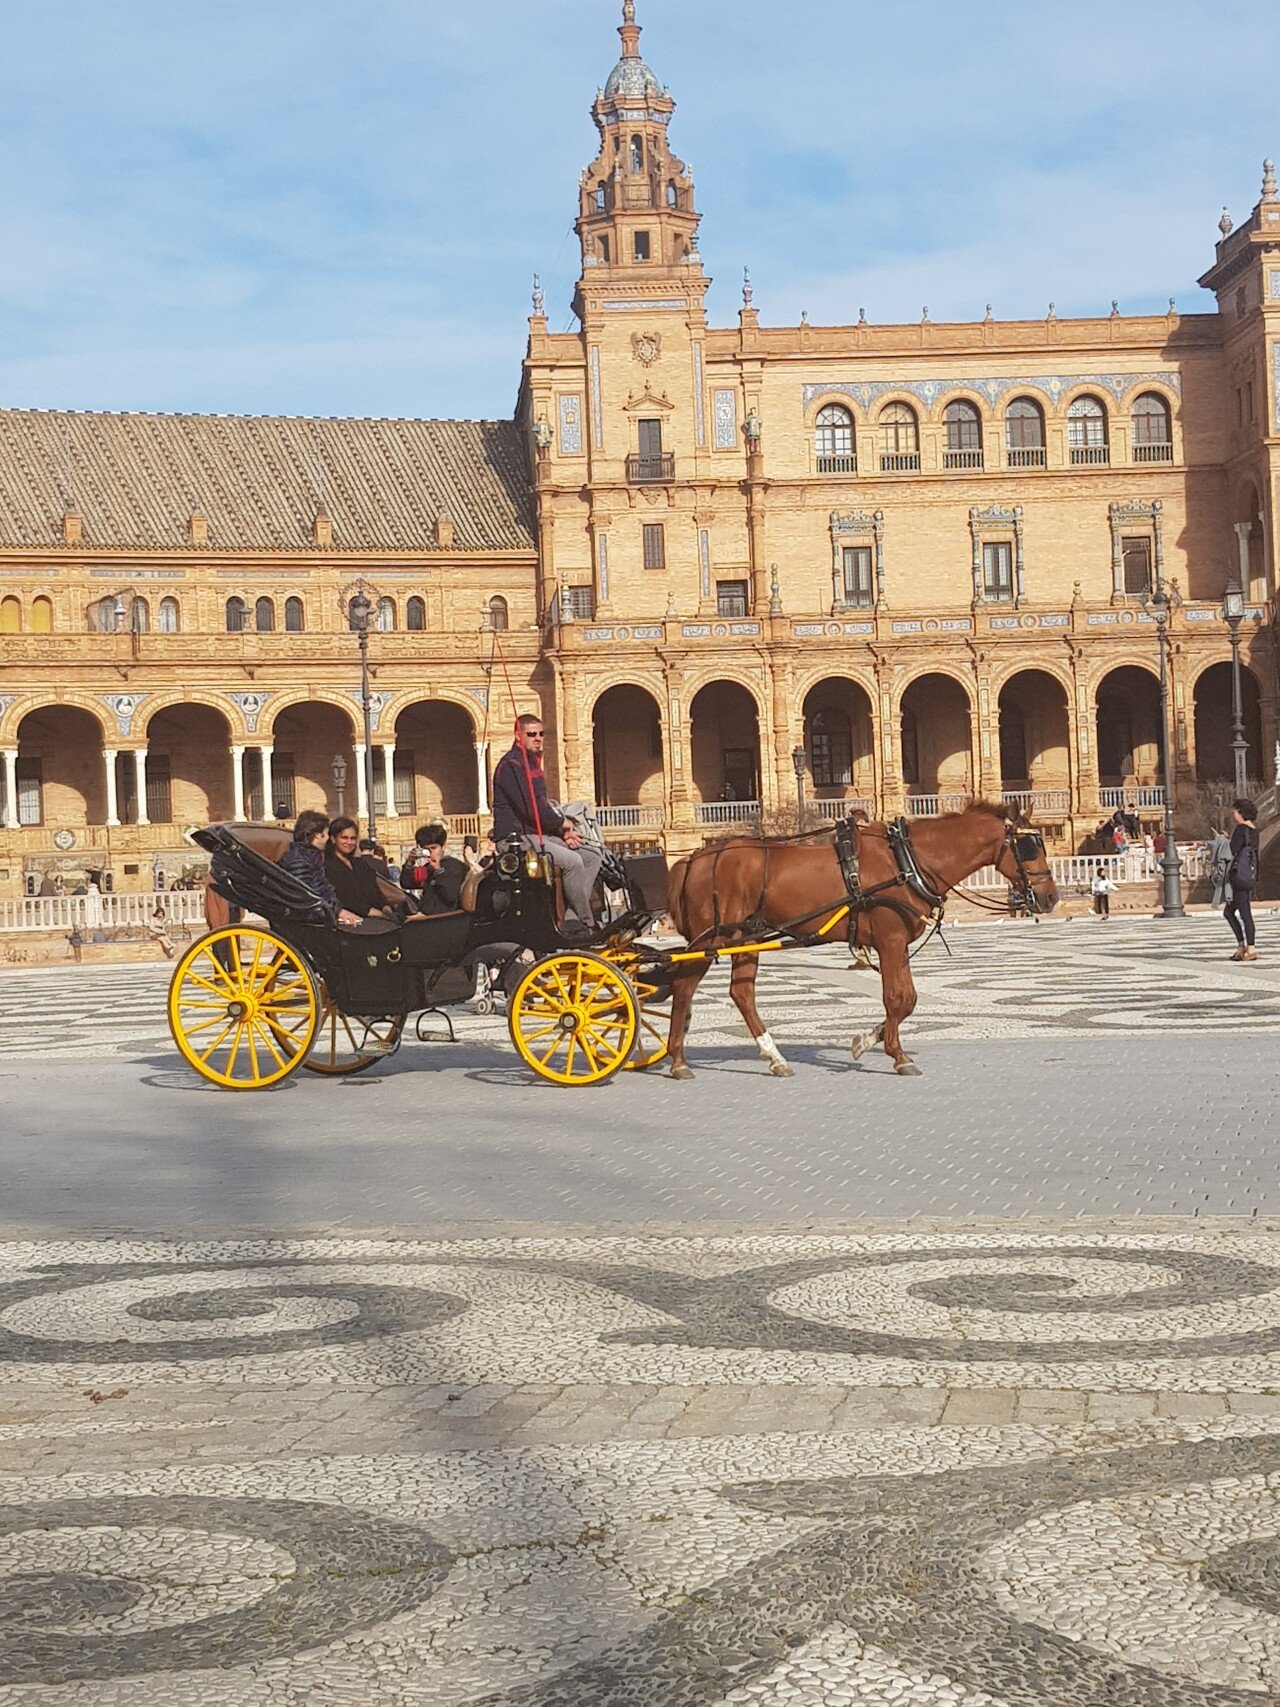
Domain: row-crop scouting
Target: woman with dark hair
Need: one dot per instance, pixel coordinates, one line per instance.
(354, 880)
(304, 859)
(1243, 878)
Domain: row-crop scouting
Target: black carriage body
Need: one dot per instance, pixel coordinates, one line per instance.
(386, 969)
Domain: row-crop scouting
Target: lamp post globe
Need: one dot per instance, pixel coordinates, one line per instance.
(1233, 615)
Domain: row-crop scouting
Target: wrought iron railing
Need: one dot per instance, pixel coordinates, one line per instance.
(651, 470)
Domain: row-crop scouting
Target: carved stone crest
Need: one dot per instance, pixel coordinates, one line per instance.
(646, 347)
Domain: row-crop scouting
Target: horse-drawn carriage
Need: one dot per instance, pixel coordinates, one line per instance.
(251, 1003)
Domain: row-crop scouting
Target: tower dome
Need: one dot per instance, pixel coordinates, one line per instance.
(631, 76)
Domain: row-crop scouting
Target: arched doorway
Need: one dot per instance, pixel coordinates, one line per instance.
(62, 779)
(1129, 746)
(308, 738)
(435, 762)
(1035, 740)
(627, 744)
(1215, 759)
(937, 748)
(1251, 562)
(839, 741)
(189, 766)
(725, 744)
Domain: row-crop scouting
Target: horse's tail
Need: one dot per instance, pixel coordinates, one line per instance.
(677, 883)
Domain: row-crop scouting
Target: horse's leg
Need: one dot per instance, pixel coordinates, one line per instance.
(899, 1000)
(683, 986)
(742, 987)
(865, 937)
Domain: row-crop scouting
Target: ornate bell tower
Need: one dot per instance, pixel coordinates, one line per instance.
(636, 219)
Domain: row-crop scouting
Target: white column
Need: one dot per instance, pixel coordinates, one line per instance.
(1243, 530)
(109, 760)
(482, 775)
(362, 787)
(140, 783)
(389, 772)
(237, 784)
(268, 783)
(11, 788)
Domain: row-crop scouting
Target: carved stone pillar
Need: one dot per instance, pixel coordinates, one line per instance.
(237, 784)
(10, 817)
(113, 809)
(389, 780)
(140, 784)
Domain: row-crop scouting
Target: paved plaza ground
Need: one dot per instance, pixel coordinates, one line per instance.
(440, 1387)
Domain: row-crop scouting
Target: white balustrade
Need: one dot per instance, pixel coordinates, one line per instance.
(832, 810)
(110, 912)
(934, 805)
(629, 817)
(1134, 796)
(726, 811)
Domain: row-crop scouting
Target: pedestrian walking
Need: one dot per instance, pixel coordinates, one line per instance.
(1102, 889)
(1243, 878)
(1219, 857)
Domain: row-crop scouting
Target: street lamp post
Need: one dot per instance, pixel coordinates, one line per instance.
(359, 611)
(340, 782)
(1160, 604)
(798, 756)
(1233, 616)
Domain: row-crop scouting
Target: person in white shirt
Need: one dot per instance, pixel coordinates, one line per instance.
(1102, 889)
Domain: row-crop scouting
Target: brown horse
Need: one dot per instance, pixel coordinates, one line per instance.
(734, 889)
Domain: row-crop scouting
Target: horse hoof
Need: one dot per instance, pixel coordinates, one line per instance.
(780, 1070)
(908, 1069)
(681, 1073)
(860, 1047)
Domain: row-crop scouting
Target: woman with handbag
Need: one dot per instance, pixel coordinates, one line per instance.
(1243, 878)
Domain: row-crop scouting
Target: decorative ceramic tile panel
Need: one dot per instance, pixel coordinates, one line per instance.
(1052, 386)
(725, 409)
(571, 425)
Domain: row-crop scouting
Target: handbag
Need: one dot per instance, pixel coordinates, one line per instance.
(1244, 868)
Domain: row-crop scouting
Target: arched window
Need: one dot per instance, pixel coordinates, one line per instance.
(42, 616)
(831, 749)
(899, 439)
(1024, 433)
(416, 615)
(963, 427)
(499, 617)
(139, 616)
(637, 154)
(1152, 435)
(1087, 431)
(103, 615)
(170, 616)
(237, 616)
(672, 195)
(294, 616)
(833, 441)
(386, 617)
(264, 616)
(601, 198)
(10, 616)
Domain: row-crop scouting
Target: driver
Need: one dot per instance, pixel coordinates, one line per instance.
(515, 814)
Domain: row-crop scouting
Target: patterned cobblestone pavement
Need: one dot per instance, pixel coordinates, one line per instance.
(926, 1466)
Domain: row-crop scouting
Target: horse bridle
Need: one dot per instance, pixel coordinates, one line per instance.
(1026, 846)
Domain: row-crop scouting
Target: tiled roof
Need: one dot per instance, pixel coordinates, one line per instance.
(134, 480)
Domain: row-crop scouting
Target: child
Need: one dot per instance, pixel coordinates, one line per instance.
(1102, 889)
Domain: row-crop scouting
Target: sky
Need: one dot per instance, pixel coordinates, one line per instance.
(336, 206)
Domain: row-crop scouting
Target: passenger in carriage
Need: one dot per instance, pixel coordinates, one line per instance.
(437, 877)
(304, 859)
(355, 881)
(516, 814)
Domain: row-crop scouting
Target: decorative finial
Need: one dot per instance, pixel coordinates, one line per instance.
(862, 317)
(1077, 596)
(804, 316)
(748, 294)
(775, 592)
(671, 602)
(539, 296)
(628, 11)
(988, 315)
(924, 315)
(1269, 181)
(1173, 305)
(1053, 312)
(1115, 307)
(1224, 224)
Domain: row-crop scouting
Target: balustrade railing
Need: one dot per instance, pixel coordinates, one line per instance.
(100, 912)
(836, 809)
(900, 462)
(1075, 872)
(1153, 453)
(1039, 799)
(962, 459)
(1026, 456)
(727, 811)
(934, 805)
(1090, 456)
(1145, 795)
(837, 465)
(629, 817)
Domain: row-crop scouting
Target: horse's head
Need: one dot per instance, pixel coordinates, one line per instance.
(1023, 860)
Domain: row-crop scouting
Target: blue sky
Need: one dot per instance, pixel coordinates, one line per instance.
(308, 206)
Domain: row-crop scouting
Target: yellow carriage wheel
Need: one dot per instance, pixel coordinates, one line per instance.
(574, 1019)
(345, 1045)
(655, 1017)
(243, 1008)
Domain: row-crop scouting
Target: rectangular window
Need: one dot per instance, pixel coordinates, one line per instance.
(254, 802)
(159, 789)
(642, 245)
(1136, 552)
(126, 788)
(582, 603)
(997, 570)
(404, 772)
(649, 439)
(858, 587)
(30, 792)
(655, 545)
(731, 598)
(282, 786)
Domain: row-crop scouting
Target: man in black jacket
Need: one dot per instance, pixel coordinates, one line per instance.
(514, 814)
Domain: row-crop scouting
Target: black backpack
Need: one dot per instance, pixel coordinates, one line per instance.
(1244, 867)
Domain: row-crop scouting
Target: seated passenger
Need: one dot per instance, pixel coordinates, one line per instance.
(354, 880)
(304, 859)
(437, 876)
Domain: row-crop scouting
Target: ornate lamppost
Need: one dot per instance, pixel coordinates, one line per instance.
(798, 757)
(359, 614)
(340, 782)
(1233, 616)
(1160, 604)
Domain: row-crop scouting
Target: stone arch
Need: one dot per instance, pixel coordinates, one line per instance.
(280, 703)
(308, 733)
(24, 706)
(628, 745)
(840, 738)
(935, 713)
(1127, 725)
(189, 777)
(1212, 697)
(693, 687)
(724, 739)
(61, 762)
(1034, 707)
(464, 701)
(832, 400)
(210, 698)
(936, 410)
(436, 769)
